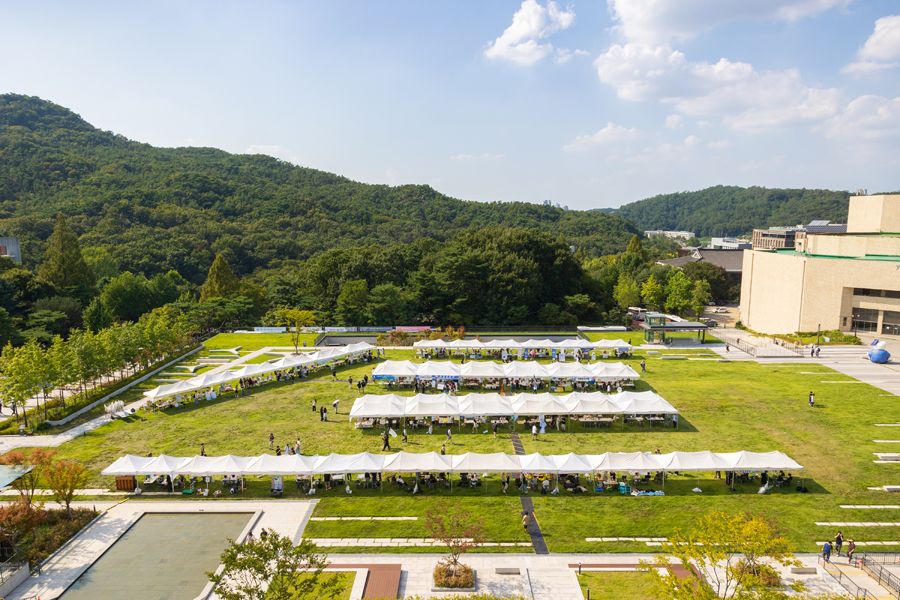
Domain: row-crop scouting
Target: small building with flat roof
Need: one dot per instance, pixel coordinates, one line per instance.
(657, 325)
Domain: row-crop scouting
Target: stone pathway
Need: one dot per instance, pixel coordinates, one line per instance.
(364, 519)
(402, 543)
(858, 543)
(84, 492)
(842, 524)
(534, 528)
(74, 558)
(870, 505)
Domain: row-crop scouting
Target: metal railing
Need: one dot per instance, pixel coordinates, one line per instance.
(11, 564)
(885, 578)
(758, 351)
(854, 590)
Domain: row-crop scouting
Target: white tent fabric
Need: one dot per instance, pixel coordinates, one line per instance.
(432, 405)
(438, 369)
(467, 344)
(286, 464)
(499, 344)
(431, 344)
(493, 404)
(482, 369)
(408, 462)
(618, 344)
(126, 465)
(379, 406)
(364, 462)
(539, 344)
(575, 371)
(538, 463)
(471, 462)
(484, 405)
(525, 369)
(391, 369)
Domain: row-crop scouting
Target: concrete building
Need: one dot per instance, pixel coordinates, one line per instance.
(686, 235)
(726, 243)
(9, 247)
(786, 237)
(847, 281)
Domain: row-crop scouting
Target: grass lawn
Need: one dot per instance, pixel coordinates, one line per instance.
(724, 407)
(255, 341)
(616, 585)
(330, 586)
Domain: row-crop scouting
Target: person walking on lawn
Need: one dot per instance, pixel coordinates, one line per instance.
(387, 441)
(526, 520)
(271, 441)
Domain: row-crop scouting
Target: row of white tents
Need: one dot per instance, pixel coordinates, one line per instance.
(208, 380)
(432, 462)
(510, 344)
(494, 405)
(483, 369)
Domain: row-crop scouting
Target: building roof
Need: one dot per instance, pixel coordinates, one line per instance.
(678, 262)
(833, 228)
(730, 260)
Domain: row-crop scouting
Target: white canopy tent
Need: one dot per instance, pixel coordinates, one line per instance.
(392, 369)
(471, 462)
(438, 369)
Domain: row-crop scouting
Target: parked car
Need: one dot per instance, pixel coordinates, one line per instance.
(720, 310)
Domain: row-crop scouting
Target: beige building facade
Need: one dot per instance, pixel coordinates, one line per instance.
(848, 281)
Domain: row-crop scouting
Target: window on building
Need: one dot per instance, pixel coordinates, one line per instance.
(865, 319)
(875, 293)
(891, 323)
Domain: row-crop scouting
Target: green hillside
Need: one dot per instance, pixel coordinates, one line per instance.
(730, 210)
(156, 209)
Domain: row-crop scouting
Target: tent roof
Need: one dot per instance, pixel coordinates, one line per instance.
(407, 462)
(538, 463)
(126, 465)
(472, 462)
(440, 369)
(364, 462)
(482, 368)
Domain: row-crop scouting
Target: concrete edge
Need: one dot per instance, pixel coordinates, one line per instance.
(141, 379)
(299, 535)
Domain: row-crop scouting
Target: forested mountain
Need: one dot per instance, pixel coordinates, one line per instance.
(730, 210)
(161, 209)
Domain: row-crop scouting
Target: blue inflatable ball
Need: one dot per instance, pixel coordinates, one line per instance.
(879, 356)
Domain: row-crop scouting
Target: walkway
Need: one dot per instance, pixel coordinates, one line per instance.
(66, 565)
(534, 528)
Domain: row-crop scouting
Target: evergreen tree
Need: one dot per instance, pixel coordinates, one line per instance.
(221, 282)
(96, 316)
(64, 266)
(636, 247)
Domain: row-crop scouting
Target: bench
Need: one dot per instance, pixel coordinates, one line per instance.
(507, 571)
(803, 570)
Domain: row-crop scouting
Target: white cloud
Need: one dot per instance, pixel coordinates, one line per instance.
(531, 22)
(610, 133)
(720, 145)
(274, 151)
(882, 47)
(667, 152)
(867, 118)
(470, 157)
(743, 97)
(564, 55)
(392, 175)
(657, 21)
(692, 141)
(674, 122)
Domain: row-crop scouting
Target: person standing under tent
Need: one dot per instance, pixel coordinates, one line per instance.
(675, 421)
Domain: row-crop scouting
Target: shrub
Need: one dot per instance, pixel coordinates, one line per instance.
(767, 575)
(446, 577)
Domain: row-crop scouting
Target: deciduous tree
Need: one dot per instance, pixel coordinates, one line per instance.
(727, 556)
(18, 520)
(38, 459)
(63, 477)
(456, 528)
(272, 569)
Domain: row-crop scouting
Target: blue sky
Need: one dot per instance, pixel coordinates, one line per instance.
(587, 104)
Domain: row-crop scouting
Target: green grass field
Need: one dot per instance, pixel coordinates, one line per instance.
(724, 407)
(255, 341)
(615, 585)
